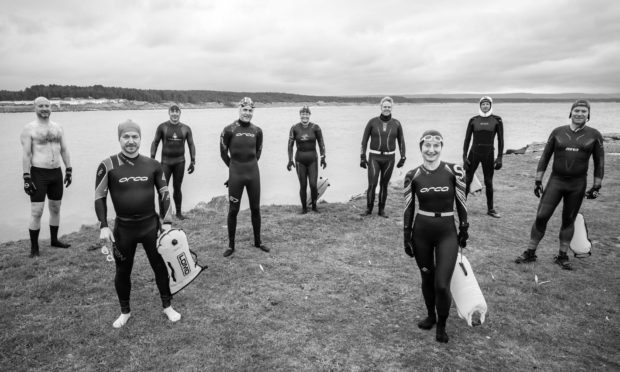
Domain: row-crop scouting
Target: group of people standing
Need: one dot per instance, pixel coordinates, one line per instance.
(430, 230)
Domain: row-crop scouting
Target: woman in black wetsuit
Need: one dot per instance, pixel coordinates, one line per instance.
(433, 240)
(306, 134)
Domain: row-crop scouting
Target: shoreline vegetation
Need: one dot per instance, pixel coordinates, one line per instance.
(97, 97)
(336, 292)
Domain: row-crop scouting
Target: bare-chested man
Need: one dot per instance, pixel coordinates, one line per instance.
(43, 144)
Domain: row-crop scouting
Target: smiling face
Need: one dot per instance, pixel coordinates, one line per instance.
(42, 108)
(431, 151)
(579, 115)
(175, 115)
(245, 113)
(130, 143)
(304, 117)
(386, 108)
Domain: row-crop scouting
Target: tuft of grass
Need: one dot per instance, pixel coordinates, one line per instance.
(336, 292)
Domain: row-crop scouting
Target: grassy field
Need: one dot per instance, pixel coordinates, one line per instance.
(337, 292)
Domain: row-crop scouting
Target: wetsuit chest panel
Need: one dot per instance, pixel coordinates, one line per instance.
(435, 189)
(484, 130)
(305, 137)
(572, 151)
(383, 135)
(242, 144)
(174, 136)
(132, 187)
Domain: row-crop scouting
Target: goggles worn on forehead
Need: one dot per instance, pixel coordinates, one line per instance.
(430, 137)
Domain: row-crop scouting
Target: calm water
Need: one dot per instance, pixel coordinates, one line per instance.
(91, 136)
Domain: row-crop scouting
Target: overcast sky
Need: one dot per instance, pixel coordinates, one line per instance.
(315, 47)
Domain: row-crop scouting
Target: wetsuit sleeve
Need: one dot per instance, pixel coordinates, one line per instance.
(500, 137)
(164, 195)
(401, 141)
(468, 134)
(224, 144)
(291, 142)
(598, 157)
(101, 195)
(459, 193)
(409, 201)
(155, 144)
(365, 139)
(319, 138)
(545, 157)
(190, 144)
(259, 143)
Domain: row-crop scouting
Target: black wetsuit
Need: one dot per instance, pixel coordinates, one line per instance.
(306, 160)
(383, 132)
(435, 238)
(131, 183)
(173, 137)
(244, 142)
(482, 151)
(48, 182)
(571, 152)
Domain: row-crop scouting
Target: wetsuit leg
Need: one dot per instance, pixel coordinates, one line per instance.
(425, 258)
(445, 259)
(167, 171)
(235, 191)
(548, 202)
(374, 170)
(313, 175)
(387, 166)
(149, 242)
(488, 169)
(573, 197)
(55, 186)
(178, 171)
(302, 174)
(474, 160)
(124, 252)
(253, 189)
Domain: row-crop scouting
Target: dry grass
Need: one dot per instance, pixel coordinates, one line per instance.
(336, 293)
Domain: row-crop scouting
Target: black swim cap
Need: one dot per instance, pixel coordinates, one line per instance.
(174, 107)
(579, 102)
(305, 109)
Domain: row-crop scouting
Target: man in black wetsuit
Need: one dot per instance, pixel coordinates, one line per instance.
(173, 135)
(484, 127)
(241, 144)
(131, 180)
(571, 147)
(383, 131)
(306, 135)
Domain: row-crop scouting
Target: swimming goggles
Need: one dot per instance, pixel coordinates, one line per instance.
(106, 251)
(431, 137)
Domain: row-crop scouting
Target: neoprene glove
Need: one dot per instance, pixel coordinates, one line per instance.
(538, 189)
(466, 163)
(29, 186)
(408, 243)
(401, 162)
(363, 162)
(593, 192)
(190, 169)
(463, 234)
(323, 163)
(498, 163)
(68, 176)
(226, 183)
(290, 165)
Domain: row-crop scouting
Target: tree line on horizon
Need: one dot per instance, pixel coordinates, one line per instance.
(221, 97)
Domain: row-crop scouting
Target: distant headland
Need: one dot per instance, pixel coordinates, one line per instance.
(98, 97)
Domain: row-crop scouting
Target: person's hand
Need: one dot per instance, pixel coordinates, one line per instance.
(290, 165)
(106, 235)
(323, 163)
(593, 192)
(498, 163)
(463, 234)
(68, 176)
(538, 189)
(190, 169)
(29, 186)
(363, 162)
(401, 162)
(226, 183)
(466, 163)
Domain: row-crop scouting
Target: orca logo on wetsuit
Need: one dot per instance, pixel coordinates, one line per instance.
(435, 189)
(233, 199)
(245, 134)
(134, 179)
